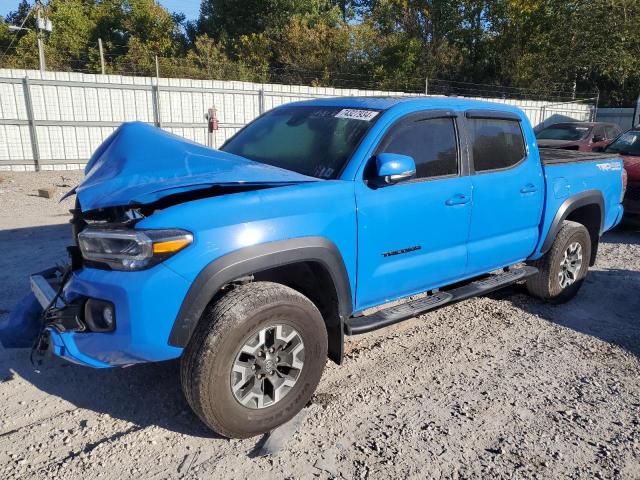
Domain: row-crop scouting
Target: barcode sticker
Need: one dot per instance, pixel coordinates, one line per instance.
(356, 114)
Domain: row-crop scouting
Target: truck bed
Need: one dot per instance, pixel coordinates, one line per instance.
(554, 156)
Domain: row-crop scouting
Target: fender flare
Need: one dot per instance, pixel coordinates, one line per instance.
(588, 197)
(256, 258)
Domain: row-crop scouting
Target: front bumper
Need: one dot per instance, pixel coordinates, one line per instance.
(146, 304)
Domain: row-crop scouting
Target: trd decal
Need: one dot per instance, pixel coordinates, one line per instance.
(404, 250)
(609, 167)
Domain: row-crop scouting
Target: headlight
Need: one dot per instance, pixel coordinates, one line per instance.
(131, 249)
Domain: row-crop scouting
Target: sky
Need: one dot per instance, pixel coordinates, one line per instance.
(189, 7)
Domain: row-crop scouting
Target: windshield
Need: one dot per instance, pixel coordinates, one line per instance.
(626, 144)
(314, 141)
(563, 132)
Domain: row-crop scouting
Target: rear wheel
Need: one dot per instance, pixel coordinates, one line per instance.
(564, 267)
(255, 359)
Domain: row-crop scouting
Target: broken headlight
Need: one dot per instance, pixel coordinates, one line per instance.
(123, 249)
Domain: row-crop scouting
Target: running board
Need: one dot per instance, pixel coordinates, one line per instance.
(397, 313)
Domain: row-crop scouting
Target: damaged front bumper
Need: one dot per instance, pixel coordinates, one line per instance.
(78, 307)
(59, 315)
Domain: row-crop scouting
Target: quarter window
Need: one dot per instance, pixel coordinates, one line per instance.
(496, 143)
(430, 142)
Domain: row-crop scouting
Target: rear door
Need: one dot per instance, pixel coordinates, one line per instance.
(413, 235)
(508, 191)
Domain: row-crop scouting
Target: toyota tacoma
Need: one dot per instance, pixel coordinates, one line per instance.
(317, 220)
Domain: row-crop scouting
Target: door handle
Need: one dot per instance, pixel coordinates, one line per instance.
(528, 188)
(457, 199)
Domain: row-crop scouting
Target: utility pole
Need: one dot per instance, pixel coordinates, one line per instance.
(41, 59)
(101, 55)
(43, 27)
(426, 86)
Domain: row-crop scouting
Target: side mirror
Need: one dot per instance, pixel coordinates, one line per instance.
(597, 138)
(392, 168)
(598, 149)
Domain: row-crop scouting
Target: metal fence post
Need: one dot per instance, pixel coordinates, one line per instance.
(155, 93)
(35, 149)
(261, 101)
(595, 108)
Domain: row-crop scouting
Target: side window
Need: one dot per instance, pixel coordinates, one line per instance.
(612, 132)
(430, 142)
(496, 143)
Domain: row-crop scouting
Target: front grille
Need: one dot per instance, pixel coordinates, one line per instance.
(77, 221)
(77, 225)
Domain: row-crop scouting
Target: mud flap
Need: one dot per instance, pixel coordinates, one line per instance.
(22, 326)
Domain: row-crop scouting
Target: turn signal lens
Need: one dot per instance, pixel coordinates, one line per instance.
(172, 246)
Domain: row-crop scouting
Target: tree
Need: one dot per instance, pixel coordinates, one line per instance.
(544, 47)
(234, 18)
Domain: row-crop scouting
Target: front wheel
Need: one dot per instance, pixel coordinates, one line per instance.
(564, 267)
(255, 359)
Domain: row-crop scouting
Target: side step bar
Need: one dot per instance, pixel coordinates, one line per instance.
(397, 313)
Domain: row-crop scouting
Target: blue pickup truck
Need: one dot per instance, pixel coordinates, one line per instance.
(319, 219)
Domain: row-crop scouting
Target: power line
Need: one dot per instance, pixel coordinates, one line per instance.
(20, 28)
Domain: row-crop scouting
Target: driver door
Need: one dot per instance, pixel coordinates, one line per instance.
(412, 236)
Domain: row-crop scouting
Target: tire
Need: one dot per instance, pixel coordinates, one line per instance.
(212, 363)
(547, 284)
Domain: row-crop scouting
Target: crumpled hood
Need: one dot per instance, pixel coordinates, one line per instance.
(140, 164)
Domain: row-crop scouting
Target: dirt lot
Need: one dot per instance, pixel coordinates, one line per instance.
(493, 387)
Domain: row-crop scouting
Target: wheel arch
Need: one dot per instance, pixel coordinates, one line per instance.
(283, 262)
(586, 208)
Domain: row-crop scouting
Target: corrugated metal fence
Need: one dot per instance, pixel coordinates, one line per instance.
(55, 120)
(621, 116)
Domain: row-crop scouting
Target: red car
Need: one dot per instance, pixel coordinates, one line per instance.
(628, 146)
(583, 136)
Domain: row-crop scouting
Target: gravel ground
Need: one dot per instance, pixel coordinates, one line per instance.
(498, 387)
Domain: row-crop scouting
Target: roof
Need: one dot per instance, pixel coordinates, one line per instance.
(386, 103)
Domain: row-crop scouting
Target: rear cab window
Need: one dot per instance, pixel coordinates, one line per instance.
(496, 143)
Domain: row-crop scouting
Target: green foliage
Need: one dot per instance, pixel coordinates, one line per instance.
(234, 18)
(543, 46)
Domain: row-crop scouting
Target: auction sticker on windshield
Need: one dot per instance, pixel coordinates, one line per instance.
(356, 114)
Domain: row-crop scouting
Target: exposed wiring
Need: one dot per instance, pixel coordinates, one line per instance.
(40, 344)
